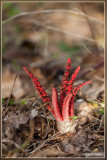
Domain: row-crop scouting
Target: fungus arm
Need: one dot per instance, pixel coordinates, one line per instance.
(71, 81)
(65, 108)
(65, 82)
(39, 87)
(55, 105)
(74, 92)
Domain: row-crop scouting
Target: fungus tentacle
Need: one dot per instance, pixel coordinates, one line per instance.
(71, 107)
(55, 105)
(39, 88)
(65, 82)
(71, 81)
(65, 108)
(74, 92)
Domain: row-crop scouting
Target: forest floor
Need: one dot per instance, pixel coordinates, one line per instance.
(43, 43)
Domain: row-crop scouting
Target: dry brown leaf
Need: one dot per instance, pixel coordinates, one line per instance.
(15, 120)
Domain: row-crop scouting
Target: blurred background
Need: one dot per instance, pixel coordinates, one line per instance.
(43, 35)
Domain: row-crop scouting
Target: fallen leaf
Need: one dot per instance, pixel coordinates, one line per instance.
(15, 120)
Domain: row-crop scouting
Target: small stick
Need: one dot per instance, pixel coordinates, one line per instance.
(43, 143)
(90, 26)
(10, 96)
(11, 91)
(15, 144)
(43, 106)
(102, 119)
(91, 52)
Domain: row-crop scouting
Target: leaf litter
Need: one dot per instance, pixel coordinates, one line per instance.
(27, 128)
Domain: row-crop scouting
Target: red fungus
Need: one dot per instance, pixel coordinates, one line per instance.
(71, 81)
(64, 108)
(65, 81)
(56, 105)
(40, 89)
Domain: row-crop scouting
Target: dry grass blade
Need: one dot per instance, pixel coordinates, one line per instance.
(90, 26)
(91, 52)
(66, 32)
(52, 11)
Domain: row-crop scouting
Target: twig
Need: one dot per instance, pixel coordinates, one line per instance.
(91, 53)
(47, 140)
(73, 34)
(98, 65)
(93, 116)
(90, 26)
(48, 111)
(43, 105)
(99, 78)
(6, 108)
(52, 11)
(15, 144)
(48, 117)
(11, 91)
(102, 119)
(65, 32)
